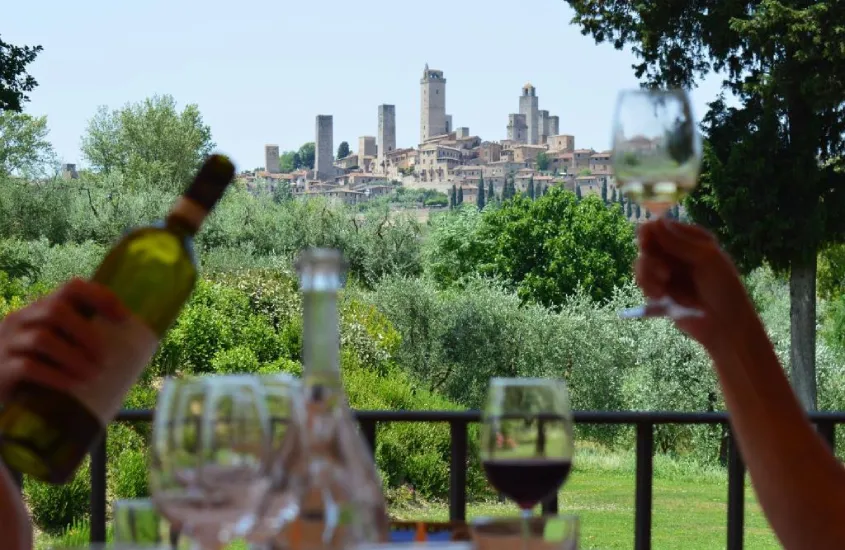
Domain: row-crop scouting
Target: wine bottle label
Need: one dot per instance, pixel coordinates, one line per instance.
(128, 347)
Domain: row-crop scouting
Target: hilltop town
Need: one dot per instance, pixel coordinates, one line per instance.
(534, 153)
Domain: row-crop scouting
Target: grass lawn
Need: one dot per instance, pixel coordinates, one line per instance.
(690, 505)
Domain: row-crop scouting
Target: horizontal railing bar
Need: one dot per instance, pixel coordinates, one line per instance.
(581, 417)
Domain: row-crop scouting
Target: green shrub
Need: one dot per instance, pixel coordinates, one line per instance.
(54, 507)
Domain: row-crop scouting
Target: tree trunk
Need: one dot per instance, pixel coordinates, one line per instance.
(802, 319)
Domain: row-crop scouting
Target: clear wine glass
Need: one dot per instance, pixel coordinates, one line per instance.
(656, 162)
(527, 441)
(283, 394)
(209, 456)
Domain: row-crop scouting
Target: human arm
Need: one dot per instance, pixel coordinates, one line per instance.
(49, 342)
(799, 483)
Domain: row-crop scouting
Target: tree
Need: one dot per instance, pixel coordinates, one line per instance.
(637, 211)
(613, 195)
(343, 150)
(306, 155)
(151, 141)
(532, 193)
(542, 161)
(779, 150)
(479, 199)
(460, 195)
(14, 80)
(604, 192)
(24, 149)
(548, 248)
(288, 162)
(491, 193)
(629, 209)
(453, 197)
(647, 214)
(578, 192)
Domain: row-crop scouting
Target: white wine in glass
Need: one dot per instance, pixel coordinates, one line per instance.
(656, 162)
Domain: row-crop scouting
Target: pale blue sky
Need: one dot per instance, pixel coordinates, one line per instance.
(261, 71)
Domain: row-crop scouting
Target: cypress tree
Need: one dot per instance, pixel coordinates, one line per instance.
(577, 191)
(629, 209)
(491, 194)
(479, 200)
(532, 193)
(637, 211)
(461, 195)
(604, 192)
(453, 197)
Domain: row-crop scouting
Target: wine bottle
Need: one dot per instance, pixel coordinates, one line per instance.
(342, 503)
(45, 432)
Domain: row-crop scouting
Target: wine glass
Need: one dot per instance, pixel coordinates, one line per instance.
(283, 394)
(656, 160)
(527, 441)
(210, 453)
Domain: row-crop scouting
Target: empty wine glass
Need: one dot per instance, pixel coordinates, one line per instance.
(210, 451)
(656, 161)
(527, 440)
(283, 394)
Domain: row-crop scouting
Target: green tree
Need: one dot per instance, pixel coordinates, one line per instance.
(542, 161)
(578, 192)
(544, 249)
(288, 161)
(14, 80)
(532, 192)
(306, 155)
(604, 191)
(150, 140)
(779, 150)
(453, 197)
(479, 199)
(491, 193)
(629, 209)
(343, 150)
(613, 195)
(460, 195)
(637, 211)
(24, 149)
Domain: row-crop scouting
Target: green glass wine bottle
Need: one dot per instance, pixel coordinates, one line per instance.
(45, 432)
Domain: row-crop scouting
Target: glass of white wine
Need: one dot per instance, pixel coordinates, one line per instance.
(210, 452)
(656, 162)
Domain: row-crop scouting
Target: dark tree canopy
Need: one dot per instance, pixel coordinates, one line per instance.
(14, 80)
(343, 150)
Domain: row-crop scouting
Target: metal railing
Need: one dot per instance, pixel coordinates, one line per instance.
(458, 421)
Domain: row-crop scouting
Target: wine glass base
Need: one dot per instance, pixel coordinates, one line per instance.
(661, 307)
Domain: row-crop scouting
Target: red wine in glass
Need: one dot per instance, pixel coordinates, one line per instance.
(527, 482)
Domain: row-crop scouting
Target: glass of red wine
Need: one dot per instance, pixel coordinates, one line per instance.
(527, 441)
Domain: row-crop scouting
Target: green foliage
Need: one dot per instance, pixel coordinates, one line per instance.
(14, 80)
(542, 161)
(479, 198)
(288, 161)
(150, 142)
(491, 193)
(54, 507)
(831, 274)
(544, 249)
(306, 155)
(343, 150)
(578, 195)
(460, 195)
(532, 192)
(453, 198)
(24, 149)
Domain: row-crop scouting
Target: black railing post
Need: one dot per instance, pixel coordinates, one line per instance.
(645, 475)
(827, 429)
(368, 430)
(550, 507)
(98, 491)
(736, 495)
(458, 467)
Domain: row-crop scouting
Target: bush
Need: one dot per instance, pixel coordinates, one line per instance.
(54, 507)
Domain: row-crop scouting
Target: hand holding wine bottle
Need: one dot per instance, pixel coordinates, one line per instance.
(47, 426)
(51, 342)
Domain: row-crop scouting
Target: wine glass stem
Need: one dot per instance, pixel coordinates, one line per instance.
(526, 527)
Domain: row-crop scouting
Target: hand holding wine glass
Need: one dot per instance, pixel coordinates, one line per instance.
(656, 160)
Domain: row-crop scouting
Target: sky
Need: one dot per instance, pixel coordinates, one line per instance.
(262, 71)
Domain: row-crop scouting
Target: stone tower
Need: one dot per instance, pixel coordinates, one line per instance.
(271, 159)
(517, 129)
(386, 133)
(366, 148)
(554, 125)
(543, 120)
(528, 106)
(433, 107)
(324, 148)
